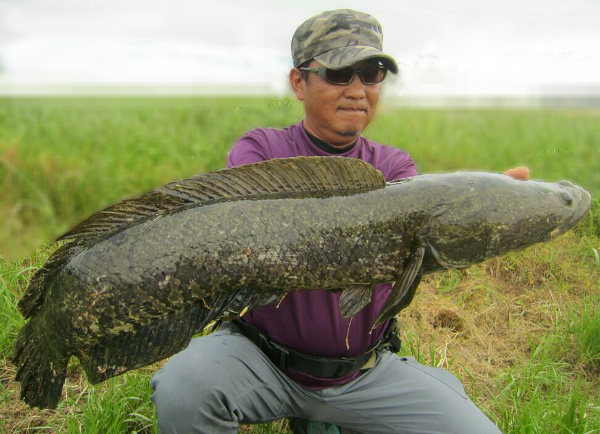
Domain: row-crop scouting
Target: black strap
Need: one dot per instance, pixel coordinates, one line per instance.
(322, 367)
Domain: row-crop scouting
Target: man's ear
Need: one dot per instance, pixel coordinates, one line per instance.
(297, 83)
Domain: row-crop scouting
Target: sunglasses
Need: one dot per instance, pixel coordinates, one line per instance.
(371, 74)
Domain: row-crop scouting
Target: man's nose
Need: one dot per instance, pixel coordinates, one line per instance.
(356, 89)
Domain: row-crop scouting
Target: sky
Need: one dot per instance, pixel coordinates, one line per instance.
(462, 47)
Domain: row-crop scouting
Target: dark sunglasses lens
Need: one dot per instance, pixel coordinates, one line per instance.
(339, 76)
(372, 74)
(369, 75)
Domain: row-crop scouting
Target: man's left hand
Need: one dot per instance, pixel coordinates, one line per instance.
(520, 173)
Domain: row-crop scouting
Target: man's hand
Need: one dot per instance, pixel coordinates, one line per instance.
(521, 173)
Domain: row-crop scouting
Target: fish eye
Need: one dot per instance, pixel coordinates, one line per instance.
(567, 198)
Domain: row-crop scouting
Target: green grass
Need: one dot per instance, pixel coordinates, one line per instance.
(426, 354)
(551, 391)
(13, 277)
(544, 395)
(528, 350)
(585, 331)
(123, 405)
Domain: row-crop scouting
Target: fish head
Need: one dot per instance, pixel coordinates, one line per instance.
(489, 215)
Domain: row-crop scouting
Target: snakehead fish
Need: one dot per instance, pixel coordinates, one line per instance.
(137, 280)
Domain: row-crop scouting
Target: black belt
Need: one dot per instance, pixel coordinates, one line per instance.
(322, 367)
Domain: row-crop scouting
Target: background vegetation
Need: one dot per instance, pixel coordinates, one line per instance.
(522, 332)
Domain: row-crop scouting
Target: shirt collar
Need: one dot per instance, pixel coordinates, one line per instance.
(324, 146)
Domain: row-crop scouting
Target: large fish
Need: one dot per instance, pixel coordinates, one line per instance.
(137, 280)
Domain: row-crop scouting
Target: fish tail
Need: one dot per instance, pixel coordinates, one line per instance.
(40, 372)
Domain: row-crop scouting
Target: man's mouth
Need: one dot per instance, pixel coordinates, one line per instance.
(353, 109)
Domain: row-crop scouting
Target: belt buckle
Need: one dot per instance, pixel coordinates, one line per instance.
(345, 367)
(370, 363)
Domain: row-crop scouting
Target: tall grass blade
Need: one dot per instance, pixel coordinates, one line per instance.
(597, 255)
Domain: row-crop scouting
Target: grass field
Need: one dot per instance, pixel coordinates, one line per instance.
(521, 332)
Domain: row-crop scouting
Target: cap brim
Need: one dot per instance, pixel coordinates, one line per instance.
(343, 57)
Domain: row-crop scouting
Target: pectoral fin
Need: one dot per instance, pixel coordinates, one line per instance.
(404, 287)
(354, 299)
(439, 258)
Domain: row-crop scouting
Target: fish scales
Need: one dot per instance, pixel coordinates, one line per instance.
(126, 293)
(334, 242)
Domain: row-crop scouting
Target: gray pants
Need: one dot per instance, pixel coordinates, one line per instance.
(223, 380)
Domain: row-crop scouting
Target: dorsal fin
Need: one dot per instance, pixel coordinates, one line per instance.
(284, 175)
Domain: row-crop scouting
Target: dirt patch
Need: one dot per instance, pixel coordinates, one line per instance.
(449, 319)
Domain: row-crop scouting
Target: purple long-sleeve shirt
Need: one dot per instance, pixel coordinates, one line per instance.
(310, 321)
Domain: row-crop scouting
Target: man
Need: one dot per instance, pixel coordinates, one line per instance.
(287, 359)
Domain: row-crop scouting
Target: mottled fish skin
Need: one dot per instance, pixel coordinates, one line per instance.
(289, 243)
(111, 291)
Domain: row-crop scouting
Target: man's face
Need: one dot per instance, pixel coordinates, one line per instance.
(336, 114)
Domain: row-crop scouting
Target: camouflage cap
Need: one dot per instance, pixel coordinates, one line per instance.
(340, 38)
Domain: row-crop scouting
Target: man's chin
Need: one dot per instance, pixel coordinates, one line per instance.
(349, 133)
